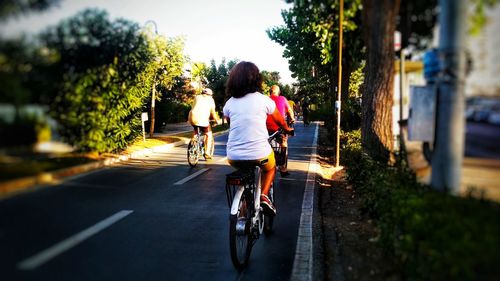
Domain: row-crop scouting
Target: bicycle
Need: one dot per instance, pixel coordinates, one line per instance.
(280, 153)
(196, 148)
(247, 221)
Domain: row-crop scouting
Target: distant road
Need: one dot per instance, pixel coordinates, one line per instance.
(482, 140)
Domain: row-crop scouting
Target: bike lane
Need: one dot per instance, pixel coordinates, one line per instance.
(174, 232)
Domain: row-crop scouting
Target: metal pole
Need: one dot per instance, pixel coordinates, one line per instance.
(339, 88)
(153, 98)
(449, 142)
(401, 97)
(143, 131)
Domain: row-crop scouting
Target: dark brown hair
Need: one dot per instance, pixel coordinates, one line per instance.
(244, 78)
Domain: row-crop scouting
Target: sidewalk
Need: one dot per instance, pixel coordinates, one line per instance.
(479, 175)
(25, 184)
(175, 128)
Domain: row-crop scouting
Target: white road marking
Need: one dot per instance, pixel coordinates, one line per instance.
(186, 179)
(222, 159)
(303, 261)
(57, 249)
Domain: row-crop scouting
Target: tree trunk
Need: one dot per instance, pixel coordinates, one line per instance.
(379, 23)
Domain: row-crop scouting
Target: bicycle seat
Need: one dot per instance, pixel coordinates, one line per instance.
(240, 177)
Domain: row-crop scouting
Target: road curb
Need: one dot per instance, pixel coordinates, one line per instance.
(31, 183)
(305, 267)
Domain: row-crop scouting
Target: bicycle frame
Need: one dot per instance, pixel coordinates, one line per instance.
(247, 220)
(195, 148)
(256, 191)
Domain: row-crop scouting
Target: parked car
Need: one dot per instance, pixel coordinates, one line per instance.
(494, 116)
(479, 109)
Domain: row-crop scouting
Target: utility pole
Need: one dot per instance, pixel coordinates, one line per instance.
(401, 98)
(153, 99)
(398, 46)
(153, 92)
(339, 88)
(449, 141)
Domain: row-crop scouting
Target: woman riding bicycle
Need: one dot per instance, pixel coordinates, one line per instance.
(247, 111)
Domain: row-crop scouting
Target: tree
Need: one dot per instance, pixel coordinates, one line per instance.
(14, 68)
(379, 25)
(269, 78)
(217, 77)
(166, 66)
(479, 18)
(310, 37)
(10, 8)
(107, 71)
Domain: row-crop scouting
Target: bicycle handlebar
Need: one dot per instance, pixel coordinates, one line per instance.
(281, 131)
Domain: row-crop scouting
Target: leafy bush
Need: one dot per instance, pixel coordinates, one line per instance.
(108, 71)
(434, 236)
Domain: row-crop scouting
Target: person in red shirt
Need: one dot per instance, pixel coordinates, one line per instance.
(285, 110)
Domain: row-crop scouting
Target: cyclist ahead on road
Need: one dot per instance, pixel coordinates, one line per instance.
(201, 113)
(285, 110)
(247, 111)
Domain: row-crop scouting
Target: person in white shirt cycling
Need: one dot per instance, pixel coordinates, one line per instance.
(247, 111)
(201, 113)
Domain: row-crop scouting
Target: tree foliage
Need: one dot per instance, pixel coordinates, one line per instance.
(217, 77)
(14, 68)
(310, 37)
(107, 72)
(10, 8)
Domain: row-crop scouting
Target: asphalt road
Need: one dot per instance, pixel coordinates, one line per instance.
(132, 221)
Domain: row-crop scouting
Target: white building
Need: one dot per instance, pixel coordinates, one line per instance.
(484, 48)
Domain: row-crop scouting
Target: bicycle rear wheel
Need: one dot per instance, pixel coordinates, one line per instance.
(193, 153)
(240, 235)
(285, 156)
(269, 220)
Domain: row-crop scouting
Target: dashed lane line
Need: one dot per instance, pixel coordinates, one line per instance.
(59, 248)
(190, 177)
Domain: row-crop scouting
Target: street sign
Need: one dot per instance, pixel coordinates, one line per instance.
(397, 41)
(144, 118)
(421, 120)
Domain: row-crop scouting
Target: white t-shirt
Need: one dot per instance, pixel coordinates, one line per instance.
(200, 113)
(248, 133)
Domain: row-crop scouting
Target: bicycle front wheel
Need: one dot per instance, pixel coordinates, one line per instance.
(240, 236)
(193, 153)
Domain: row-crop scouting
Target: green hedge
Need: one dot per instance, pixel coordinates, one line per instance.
(433, 236)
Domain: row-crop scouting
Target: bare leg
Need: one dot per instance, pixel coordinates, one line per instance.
(208, 143)
(266, 180)
(284, 145)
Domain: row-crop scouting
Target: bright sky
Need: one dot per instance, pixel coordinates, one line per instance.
(216, 29)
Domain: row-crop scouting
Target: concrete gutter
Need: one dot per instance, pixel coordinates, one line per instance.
(32, 183)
